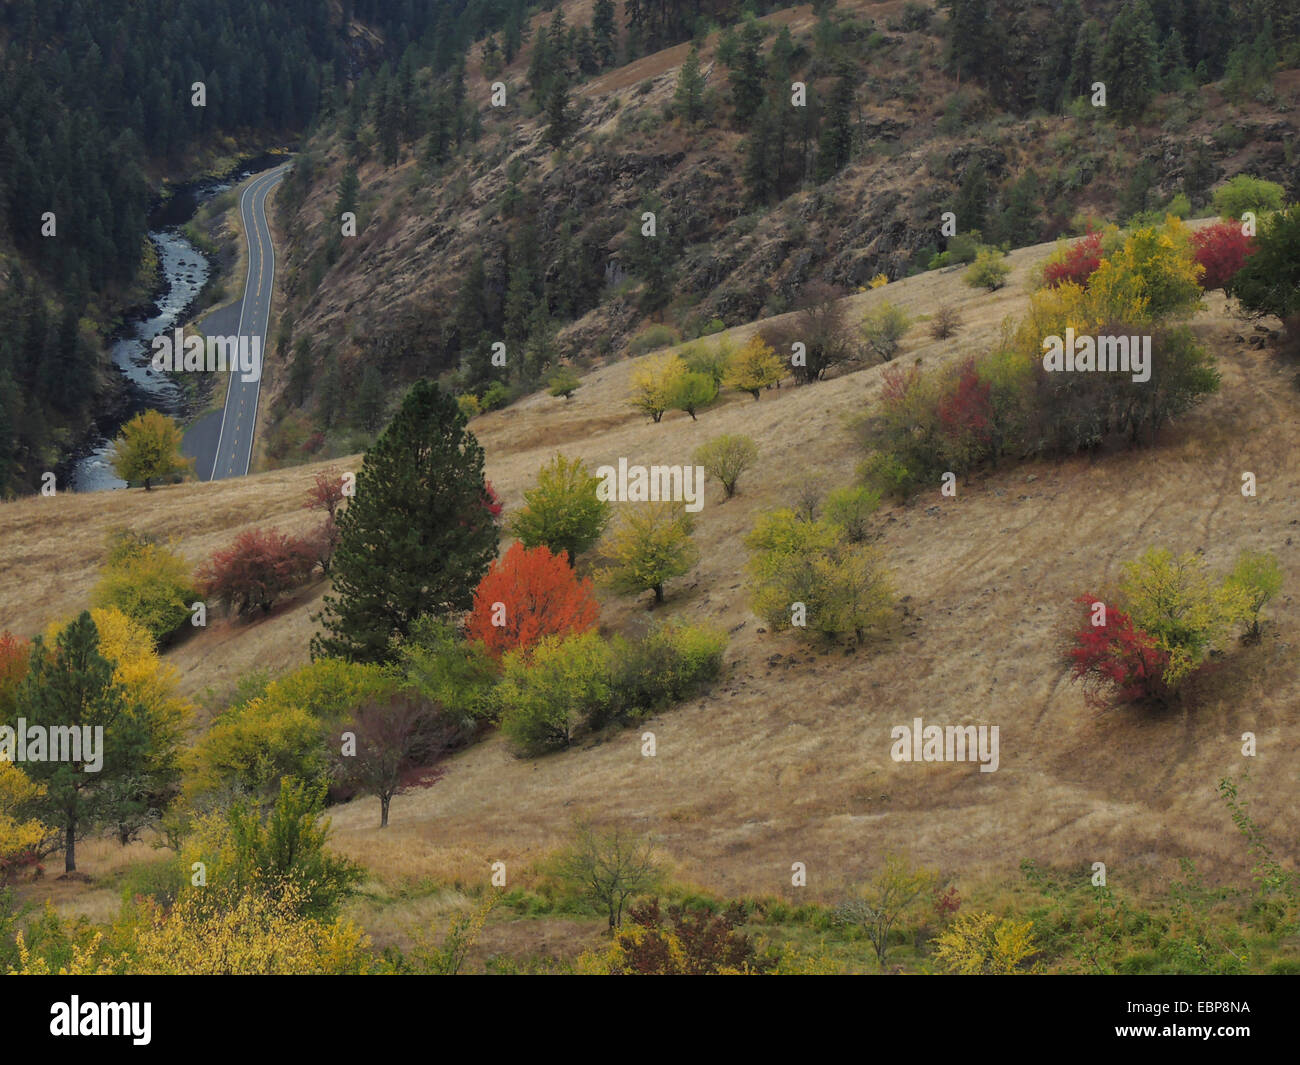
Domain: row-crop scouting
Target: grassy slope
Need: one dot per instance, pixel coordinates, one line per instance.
(787, 758)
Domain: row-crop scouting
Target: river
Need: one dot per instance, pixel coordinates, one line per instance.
(185, 270)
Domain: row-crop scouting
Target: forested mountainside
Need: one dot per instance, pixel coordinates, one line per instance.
(99, 104)
(520, 221)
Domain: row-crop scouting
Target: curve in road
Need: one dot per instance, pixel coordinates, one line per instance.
(234, 449)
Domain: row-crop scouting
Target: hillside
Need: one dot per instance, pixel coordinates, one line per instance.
(787, 758)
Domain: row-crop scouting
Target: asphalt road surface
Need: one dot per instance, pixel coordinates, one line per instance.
(234, 448)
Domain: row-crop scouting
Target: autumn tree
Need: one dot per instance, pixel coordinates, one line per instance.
(692, 392)
(754, 367)
(149, 449)
(527, 595)
(386, 739)
(819, 327)
(147, 582)
(418, 535)
(327, 495)
(563, 511)
(654, 384)
(983, 944)
(259, 567)
(725, 458)
(1221, 249)
(651, 545)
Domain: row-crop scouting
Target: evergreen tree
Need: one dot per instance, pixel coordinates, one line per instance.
(970, 36)
(559, 114)
(1020, 222)
(1085, 66)
(689, 96)
(836, 147)
(972, 199)
(418, 536)
(71, 686)
(604, 32)
(1130, 61)
(746, 77)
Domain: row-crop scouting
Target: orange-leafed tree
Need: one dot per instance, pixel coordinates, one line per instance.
(15, 653)
(528, 594)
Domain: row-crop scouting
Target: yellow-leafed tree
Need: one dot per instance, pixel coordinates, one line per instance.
(149, 449)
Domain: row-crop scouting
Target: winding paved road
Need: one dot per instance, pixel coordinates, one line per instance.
(234, 450)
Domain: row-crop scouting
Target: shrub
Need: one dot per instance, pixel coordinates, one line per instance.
(962, 248)
(610, 867)
(754, 367)
(564, 511)
(945, 323)
(725, 458)
(840, 585)
(1152, 276)
(1269, 282)
(529, 594)
(818, 324)
(651, 546)
(988, 271)
(250, 748)
(982, 944)
(692, 391)
(469, 405)
(548, 694)
(458, 675)
(256, 570)
(1115, 658)
(1245, 193)
(651, 338)
(711, 360)
(669, 665)
(149, 584)
(883, 327)
(1221, 249)
(1074, 262)
(683, 941)
(1258, 577)
(850, 508)
(564, 382)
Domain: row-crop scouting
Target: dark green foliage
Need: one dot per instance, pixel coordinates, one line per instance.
(417, 537)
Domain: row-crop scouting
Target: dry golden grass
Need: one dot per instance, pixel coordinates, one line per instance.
(787, 758)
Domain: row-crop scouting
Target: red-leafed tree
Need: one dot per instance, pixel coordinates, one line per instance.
(327, 495)
(966, 411)
(491, 501)
(1222, 248)
(528, 594)
(1077, 264)
(259, 567)
(15, 653)
(1116, 658)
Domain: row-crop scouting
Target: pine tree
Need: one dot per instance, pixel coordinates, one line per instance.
(836, 146)
(970, 36)
(760, 185)
(72, 686)
(972, 199)
(604, 32)
(1020, 221)
(689, 96)
(558, 113)
(1085, 66)
(746, 77)
(1130, 61)
(417, 537)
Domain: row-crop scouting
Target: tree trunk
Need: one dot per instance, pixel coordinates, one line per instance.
(70, 848)
(659, 593)
(147, 485)
(384, 800)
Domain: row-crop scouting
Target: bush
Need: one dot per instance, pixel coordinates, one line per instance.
(1269, 282)
(564, 382)
(651, 338)
(495, 396)
(528, 595)
(651, 546)
(683, 941)
(988, 271)
(1150, 277)
(564, 511)
(945, 323)
(458, 675)
(669, 665)
(883, 327)
(1075, 262)
(725, 458)
(841, 586)
(711, 360)
(850, 508)
(149, 584)
(1221, 250)
(1246, 193)
(548, 694)
(1117, 659)
(1258, 578)
(469, 405)
(256, 570)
